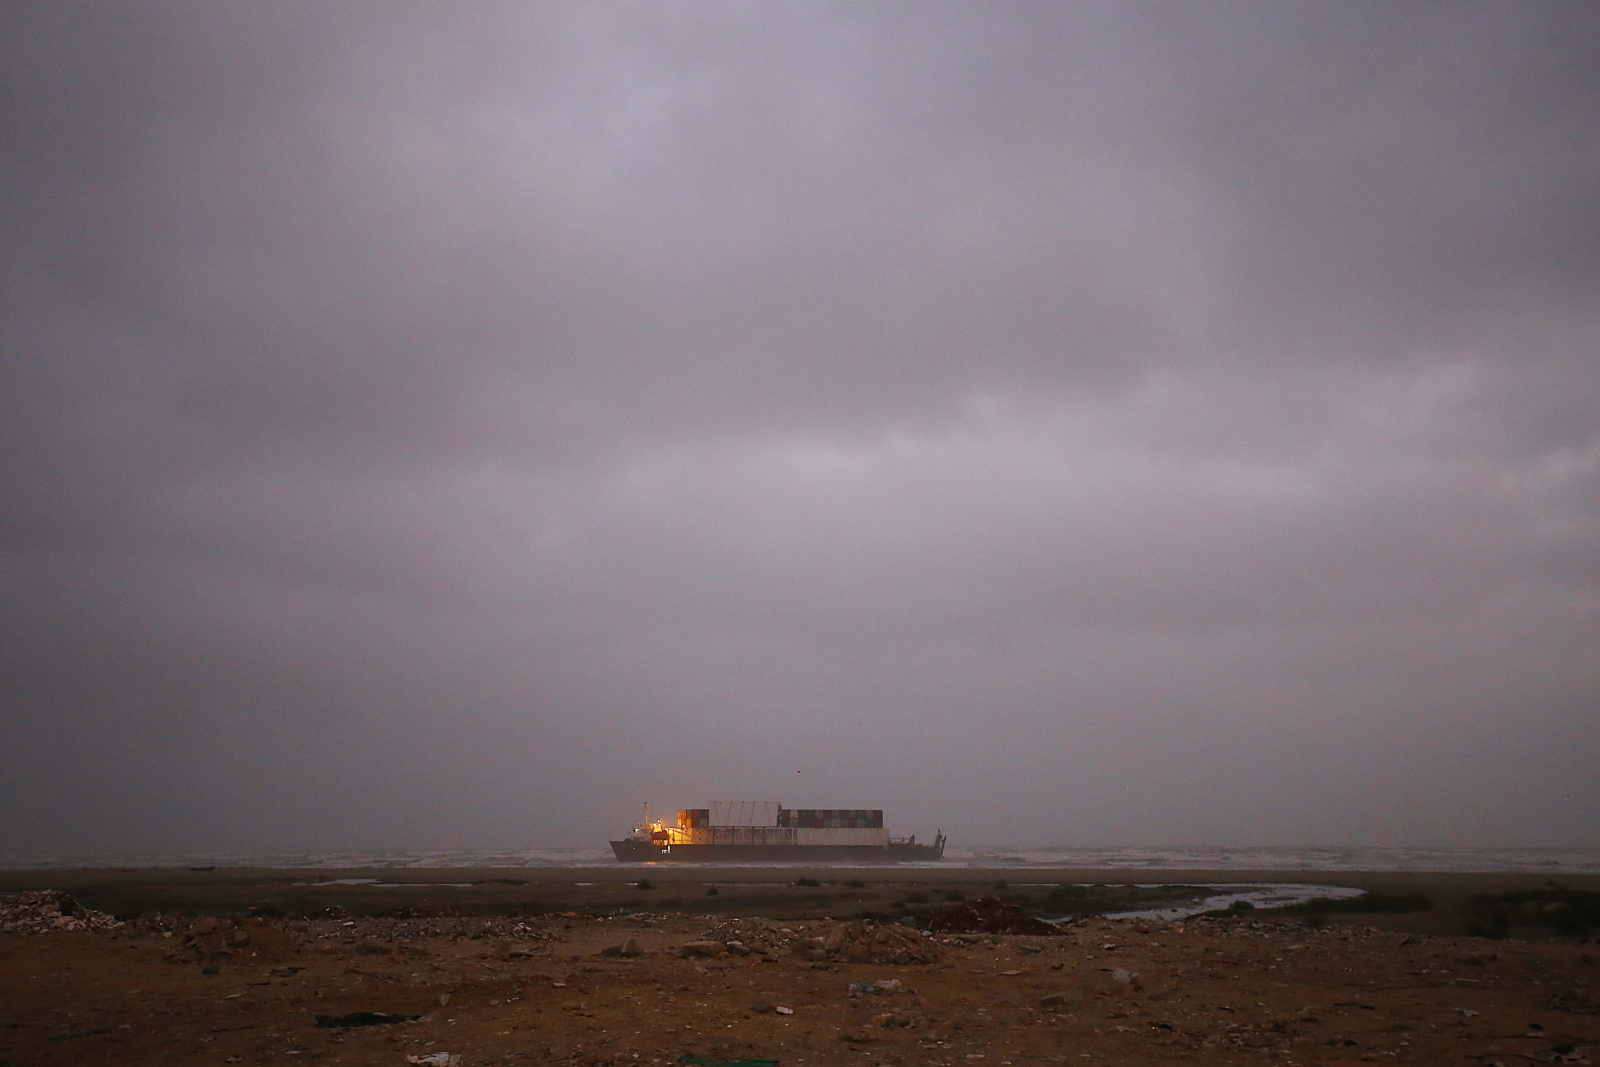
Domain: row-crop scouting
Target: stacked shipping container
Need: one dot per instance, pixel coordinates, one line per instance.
(832, 818)
(769, 823)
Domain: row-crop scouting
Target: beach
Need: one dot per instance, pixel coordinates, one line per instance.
(624, 965)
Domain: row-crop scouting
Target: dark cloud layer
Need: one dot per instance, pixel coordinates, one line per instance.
(441, 424)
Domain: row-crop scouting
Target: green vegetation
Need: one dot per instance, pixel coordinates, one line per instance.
(1316, 912)
(1552, 909)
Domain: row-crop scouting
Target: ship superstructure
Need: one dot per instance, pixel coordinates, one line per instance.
(764, 830)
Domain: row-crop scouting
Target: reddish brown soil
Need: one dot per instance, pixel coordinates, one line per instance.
(540, 991)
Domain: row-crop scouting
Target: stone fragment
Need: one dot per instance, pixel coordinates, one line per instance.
(707, 950)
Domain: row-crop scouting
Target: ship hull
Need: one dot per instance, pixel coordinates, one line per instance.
(650, 852)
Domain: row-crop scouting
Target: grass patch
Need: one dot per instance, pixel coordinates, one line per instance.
(1567, 912)
(1317, 911)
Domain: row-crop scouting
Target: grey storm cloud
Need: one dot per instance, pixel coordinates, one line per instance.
(1097, 423)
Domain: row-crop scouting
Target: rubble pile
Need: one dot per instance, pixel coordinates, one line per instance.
(46, 911)
(867, 942)
(390, 928)
(745, 937)
(988, 915)
(211, 939)
(837, 942)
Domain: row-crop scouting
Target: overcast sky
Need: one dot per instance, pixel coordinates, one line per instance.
(448, 424)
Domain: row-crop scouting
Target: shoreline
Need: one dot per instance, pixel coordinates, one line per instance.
(15, 880)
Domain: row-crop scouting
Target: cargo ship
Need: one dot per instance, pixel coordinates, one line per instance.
(764, 831)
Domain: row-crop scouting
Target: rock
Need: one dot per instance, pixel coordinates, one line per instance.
(1053, 1000)
(1578, 1001)
(1123, 976)
(736, 949)
(630, 949)
(763, 1007)
(706, 950)
(363, 1018)
(241, 936)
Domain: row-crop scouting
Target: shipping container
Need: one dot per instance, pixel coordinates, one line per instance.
(745, 812)
(738, 831)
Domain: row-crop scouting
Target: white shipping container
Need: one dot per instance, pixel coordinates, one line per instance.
(744, 812)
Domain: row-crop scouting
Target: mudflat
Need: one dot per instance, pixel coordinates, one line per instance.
(739, 964)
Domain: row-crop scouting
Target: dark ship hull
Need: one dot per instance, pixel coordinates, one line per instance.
(635, 851)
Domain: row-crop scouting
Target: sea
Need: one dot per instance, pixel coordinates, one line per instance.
(1133, 859)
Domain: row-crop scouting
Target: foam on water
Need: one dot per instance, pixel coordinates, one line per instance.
(1133, 858)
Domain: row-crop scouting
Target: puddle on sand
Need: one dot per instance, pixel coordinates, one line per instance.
(1264, 895)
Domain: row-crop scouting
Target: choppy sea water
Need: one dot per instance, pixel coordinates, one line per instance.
(1132, 859)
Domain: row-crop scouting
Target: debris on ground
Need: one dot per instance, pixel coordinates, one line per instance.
(1579, 1001)
(436, 1059)
(881, 987)
(988, 915)
(48, 911)
(868, 942)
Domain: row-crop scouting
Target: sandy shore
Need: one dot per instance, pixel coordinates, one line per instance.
(706, 976)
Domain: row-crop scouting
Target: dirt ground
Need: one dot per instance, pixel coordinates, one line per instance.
(573, 988)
